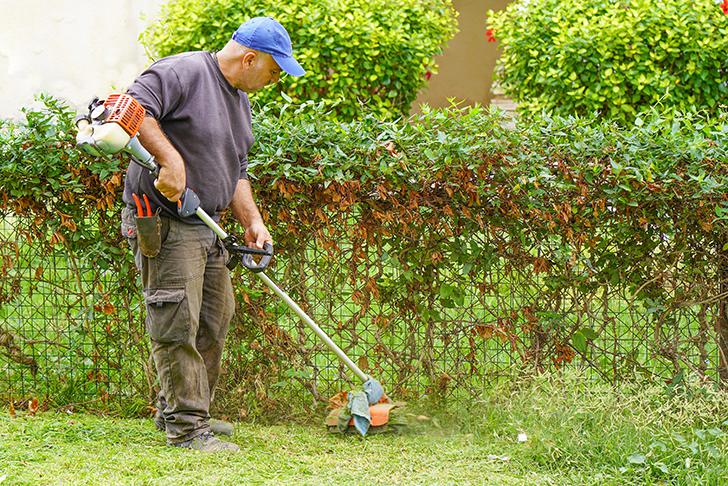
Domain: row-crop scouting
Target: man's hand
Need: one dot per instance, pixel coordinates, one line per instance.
(172, 180)
(256, 235)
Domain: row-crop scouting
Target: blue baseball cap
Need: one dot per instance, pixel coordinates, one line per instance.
(267, 35)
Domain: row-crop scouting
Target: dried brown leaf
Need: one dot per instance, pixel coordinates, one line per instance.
(33, 407)
(363, 363)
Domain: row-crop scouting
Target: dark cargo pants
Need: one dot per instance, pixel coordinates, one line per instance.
(189, 303)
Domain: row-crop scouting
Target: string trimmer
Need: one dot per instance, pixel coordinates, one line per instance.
(110, 127)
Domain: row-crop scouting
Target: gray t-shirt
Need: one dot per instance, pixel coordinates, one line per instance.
(205, 119)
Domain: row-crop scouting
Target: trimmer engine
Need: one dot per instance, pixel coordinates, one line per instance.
(111, 126)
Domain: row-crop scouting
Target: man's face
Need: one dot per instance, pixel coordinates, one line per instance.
(258, 70)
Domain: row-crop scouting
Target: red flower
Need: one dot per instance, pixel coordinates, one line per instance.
(490, 34)
(428, 74)
(724, 7)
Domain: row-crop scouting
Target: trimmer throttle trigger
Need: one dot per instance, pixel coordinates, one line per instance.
(189, 202)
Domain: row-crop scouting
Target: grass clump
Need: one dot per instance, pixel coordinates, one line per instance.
(593, 432)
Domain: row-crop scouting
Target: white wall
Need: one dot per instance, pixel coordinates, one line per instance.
(72, 49)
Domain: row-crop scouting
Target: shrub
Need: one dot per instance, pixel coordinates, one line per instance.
(357, 53)
(613, 57)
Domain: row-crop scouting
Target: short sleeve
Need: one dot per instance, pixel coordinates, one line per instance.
(158, 89)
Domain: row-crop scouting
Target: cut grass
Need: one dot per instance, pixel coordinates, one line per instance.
(90, 450)
(578, 433)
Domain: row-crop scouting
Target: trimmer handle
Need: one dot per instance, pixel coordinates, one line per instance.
(189, 204)
(250, 264)
(240, 253)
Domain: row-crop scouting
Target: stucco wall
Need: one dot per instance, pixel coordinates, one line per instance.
(466, 65)
(73, 49)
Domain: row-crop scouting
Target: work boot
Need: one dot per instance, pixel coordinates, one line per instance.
(218, 427)
(207, 442)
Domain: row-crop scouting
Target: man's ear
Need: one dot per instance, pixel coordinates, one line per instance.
(249, 59)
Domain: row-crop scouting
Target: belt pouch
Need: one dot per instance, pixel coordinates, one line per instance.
(149, 235)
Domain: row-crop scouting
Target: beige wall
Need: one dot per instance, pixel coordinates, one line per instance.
(466, 65)
(72, 49)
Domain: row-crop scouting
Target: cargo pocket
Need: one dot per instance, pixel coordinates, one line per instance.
(168, 315)
(128, 225)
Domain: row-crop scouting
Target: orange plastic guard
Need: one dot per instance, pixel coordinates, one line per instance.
(125, 111)
(379, 413)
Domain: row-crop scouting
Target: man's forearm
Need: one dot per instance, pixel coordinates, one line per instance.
(243, 204)
(172, 177)
(155, 141)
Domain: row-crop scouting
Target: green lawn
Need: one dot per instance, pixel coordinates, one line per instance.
(577, 433)
(57, 449)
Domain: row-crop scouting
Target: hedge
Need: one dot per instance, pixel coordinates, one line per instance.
(447, 238)
(359, 55)
(615, 58)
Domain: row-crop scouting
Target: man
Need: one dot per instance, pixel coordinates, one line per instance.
(198, 127)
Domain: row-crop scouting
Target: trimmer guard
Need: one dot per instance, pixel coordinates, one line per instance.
(380, 415)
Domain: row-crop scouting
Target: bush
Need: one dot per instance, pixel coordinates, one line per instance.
(613, 57)
(371, 54)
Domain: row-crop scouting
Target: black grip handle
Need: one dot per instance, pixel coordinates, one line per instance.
(250, 264)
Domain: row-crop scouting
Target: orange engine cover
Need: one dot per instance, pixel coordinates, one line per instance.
(125, 111)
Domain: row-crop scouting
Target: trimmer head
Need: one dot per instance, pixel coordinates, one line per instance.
(385, 417)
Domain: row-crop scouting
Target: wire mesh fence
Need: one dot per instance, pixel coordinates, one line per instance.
(72, 328)
(64, 331)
